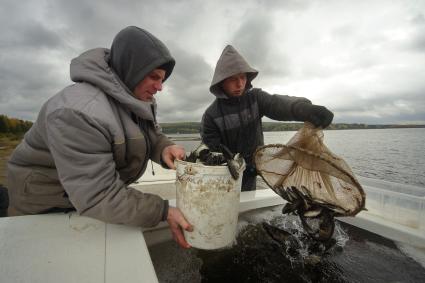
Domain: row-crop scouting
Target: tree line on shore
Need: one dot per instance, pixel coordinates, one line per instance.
(194, 127)
(13, 125)
(17, 126)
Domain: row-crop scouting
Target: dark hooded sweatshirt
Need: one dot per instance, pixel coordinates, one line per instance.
(236, 121)
(94, 138)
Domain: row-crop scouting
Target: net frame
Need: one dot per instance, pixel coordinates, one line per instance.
(320, 176)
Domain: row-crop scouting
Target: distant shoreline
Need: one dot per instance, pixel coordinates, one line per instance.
(194, 127)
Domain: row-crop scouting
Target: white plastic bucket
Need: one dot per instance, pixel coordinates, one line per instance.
(208, 197)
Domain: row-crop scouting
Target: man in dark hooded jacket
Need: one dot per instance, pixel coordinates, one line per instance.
(234, 118)
(95, 137)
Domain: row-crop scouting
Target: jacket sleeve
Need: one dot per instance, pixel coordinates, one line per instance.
(210, 133)
(278, 107)
(82, 151)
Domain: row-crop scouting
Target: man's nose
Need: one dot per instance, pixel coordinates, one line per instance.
(158, 86)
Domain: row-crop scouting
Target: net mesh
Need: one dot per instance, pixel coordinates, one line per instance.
(318, 174)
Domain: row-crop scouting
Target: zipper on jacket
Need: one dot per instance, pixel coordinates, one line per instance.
(138, 121)
(154, 125)
(241, 128)
(220, 107)
(148, 144)
(153, 172)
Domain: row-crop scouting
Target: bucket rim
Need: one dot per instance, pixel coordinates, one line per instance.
(184, 162)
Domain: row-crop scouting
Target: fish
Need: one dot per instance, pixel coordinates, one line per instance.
(220, 156)
(309, 211)
(282, 238)
(292, 244)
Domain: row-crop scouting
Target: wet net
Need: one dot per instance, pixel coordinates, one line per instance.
(317, 184)
(305, 170)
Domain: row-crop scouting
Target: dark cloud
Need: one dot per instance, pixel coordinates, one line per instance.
(418, 35)
(418, 43)
(254, 40)
(21, 30)
(380, 105)
(396, 106)
(392, 118)
(31, 35)
(86, 23)
(343, 32)
(30, 52)
(95, 24)
(26, 83)
(186, 95)
(419, 19)
(287, 5)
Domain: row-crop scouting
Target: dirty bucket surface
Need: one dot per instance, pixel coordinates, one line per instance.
(208, 197)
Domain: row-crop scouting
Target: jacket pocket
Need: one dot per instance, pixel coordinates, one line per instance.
(131, 158)
(41, 187)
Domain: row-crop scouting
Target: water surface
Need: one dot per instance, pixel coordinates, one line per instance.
(396, 155)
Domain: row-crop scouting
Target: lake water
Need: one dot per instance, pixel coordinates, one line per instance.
(396, 155)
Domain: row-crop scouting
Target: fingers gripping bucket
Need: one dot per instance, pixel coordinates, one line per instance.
(208, 197)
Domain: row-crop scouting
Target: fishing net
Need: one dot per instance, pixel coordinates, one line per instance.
(317, 184)
(307, 165)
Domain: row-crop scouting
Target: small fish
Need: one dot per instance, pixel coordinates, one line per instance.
(309, 212)
(275, 233)
(223, 156)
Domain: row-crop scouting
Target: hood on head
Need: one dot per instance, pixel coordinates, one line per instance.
(92, 67)
(135, 53)
(230, 63)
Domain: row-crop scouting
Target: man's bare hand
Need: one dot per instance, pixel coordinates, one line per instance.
(172, 152)
(177, 222)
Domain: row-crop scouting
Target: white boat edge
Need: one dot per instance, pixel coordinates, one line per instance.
(73, 248)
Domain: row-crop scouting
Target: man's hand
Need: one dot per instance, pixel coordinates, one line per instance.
(172, 152)
(177, 222)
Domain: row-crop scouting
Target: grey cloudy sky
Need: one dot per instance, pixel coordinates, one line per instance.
(364, 60)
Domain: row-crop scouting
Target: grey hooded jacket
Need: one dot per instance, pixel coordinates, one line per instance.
(236, 121)
(91, 141)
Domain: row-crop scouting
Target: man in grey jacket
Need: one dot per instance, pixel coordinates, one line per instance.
(95, 137)
(234, 118)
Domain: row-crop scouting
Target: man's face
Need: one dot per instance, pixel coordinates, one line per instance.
(235, 85)
(152, 83)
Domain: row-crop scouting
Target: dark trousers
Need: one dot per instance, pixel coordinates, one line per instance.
(4, 201)
(249, 179)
